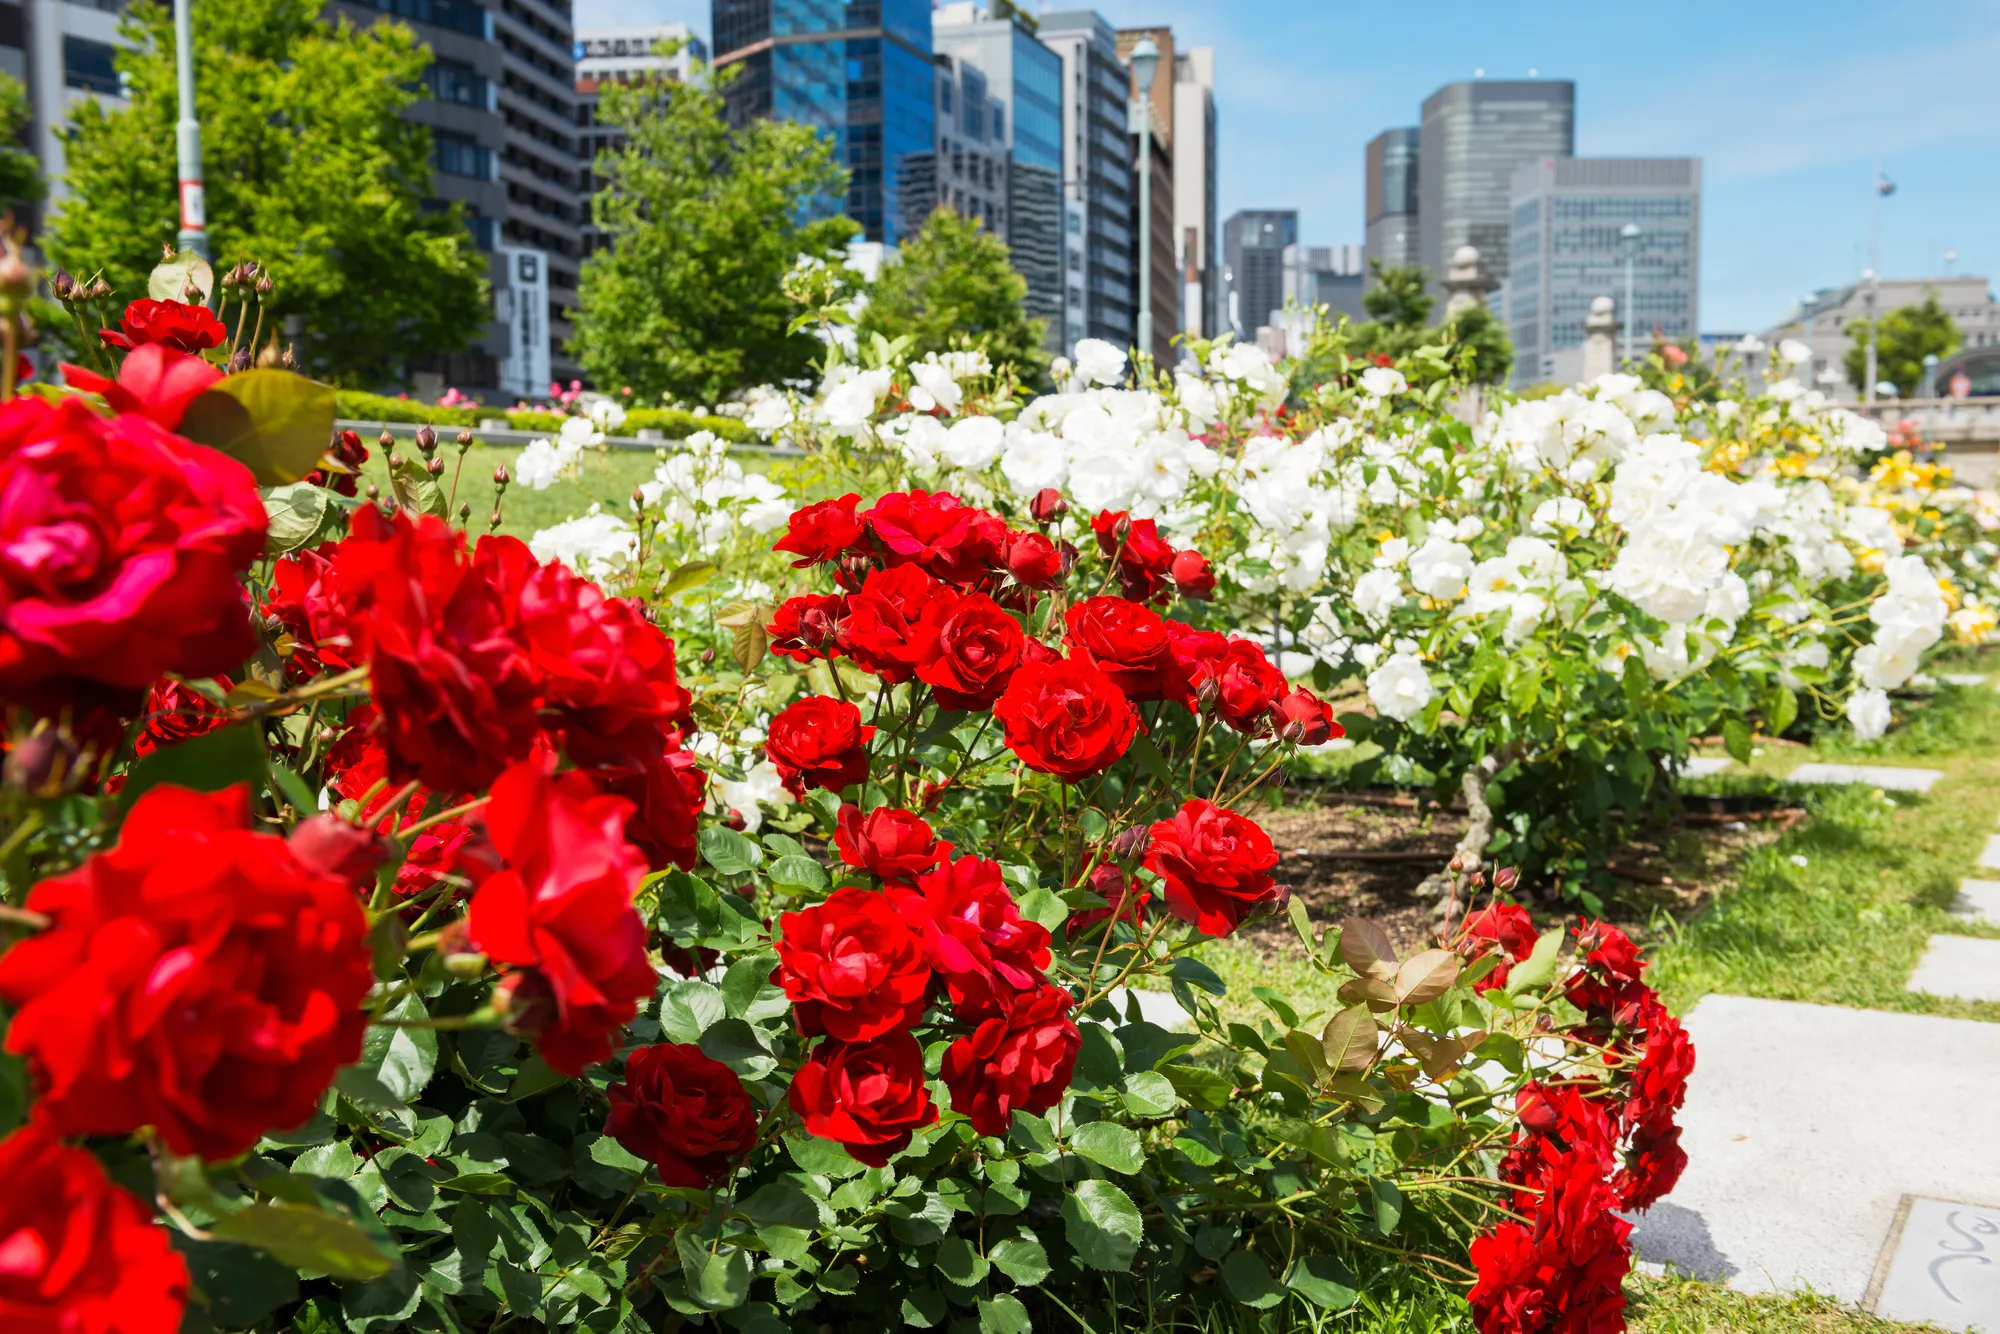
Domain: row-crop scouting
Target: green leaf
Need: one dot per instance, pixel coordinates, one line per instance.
(1109, 1145)
(1195, 973)
(1323, 1281)
(1784, 711)
(728, 851)
(1539, 968)
(234, 1285)
(822, 1157)
(1202, 1088)
(1044, 908)
(1348, 1043)
(170, 278)
(1149, 1093)
(800, 874)
(1736, 740)
(295, 515)
(691, 575)
(718, 1281)
(1388, 1204)
(609, 1152)
(306, 1238)
(274, 422)
(1003, 1315)
(783, 1203)
(1102, 1225)
(1021, 1259)
(961, 1264)
(736, 1045)
(745, 978)
(401, 1059)
(1247, 1280)
(209, 763)
(1151, 763)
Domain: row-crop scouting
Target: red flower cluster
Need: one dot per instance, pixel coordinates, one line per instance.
(1216, 865)
(819, 741)
(176, 324)
(684, 1112)
(199, 978)
(1148, 566)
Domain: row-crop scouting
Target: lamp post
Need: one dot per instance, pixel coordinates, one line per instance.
(1145, 60)
(1884, 187)
(1809, 308)
(187, 136)
(1929, 387)
(1629, 235)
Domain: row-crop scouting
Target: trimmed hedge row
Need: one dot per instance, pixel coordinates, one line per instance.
(675, 425)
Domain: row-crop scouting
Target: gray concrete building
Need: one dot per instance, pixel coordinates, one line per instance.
(1100, 279)
(621, 54)
(1821, 323)
(1390, 165)
(967, 171)
(1326, 275)
(1253, 260)
(1196, 196)
(1567, 247)
(1154, 149)
(1474, 136)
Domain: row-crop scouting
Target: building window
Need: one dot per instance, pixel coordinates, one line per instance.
(453, 81)
(455, 155)
(90, 66)
(458, 15)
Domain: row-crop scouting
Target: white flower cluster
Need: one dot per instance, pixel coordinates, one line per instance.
(595, 544)
(702, 496)
(545, 462)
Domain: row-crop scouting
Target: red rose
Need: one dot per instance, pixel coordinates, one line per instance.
(935, 532)
(684, 1112)
(1304, 719)
(979, 943)
(455, 853)
(1506, 925)
(174, 712)
(887, 842)
(819, 533)
(199, 979)
(155, 381)
(869, 1097)
(819, 741)
(1609, 978)
(1652, 1167)
(180, 326)
(1216, 866)
(808, 627)
(459, 696)
(347, 451)
(1192, 576)
(561, 912)
(121, 548)
(1035, 561)
(78, 1255)
(330, 846)
(1128, 643)
(1125, 898)
(1021, 1059)
(305, 600)
(1048, 505)
(977, 648)
(1246, 686)
(1198, 656)
(892, 622)
(667, 797)
(1656, 1086)
(1538, 1285)
(1066, 718)
(608, 672)
(852, 966)
(1144, 558)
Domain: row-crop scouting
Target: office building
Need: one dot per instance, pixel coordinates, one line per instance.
(1390, 191)
(1567, 249)
(1474, 137)
(967, 170)
(1153, 150)
(1253, 259)
(1101, 278)
(1325, 275)
(622, 54)
(1195, 193)
(859, 71)
(63, 53)
(1026, 79)
(1821, 322)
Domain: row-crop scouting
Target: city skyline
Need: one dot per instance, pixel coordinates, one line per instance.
(1788, 106)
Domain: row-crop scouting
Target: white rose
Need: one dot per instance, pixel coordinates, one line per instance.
(1377, 593)
(1099, 362)
(1441, 567)
(1400, 688)
(1868, 710)
(1034, 460)
(1104, 479)
(1383, 382)
(934, 388)
(973, 443)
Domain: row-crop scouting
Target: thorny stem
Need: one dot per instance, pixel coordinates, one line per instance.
(22, 917)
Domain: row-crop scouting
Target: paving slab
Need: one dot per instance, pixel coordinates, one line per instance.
(1964, 679)
(1155, 1007)
(1960, 967)
(1989, 858)
(1702, 766)
(1978, 901)
(1943, 1266)
(1894, 778)
(1805, 1128)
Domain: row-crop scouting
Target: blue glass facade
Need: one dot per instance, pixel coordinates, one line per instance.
(857, 70)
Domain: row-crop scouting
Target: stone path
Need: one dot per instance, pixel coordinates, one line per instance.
(1892, 778)
(1978, 901)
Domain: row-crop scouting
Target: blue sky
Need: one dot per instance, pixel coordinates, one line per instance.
(1788, 104)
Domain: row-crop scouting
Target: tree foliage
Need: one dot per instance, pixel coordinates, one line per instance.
(311, 171)
(1909, 334)
(20, 175)
(1402, 306)
(704, 222)
(952, 286)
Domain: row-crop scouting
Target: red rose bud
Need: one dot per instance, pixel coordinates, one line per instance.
(47, 763)
(427, 440)
(852, 570)
(1034, 561)
(455, 950)
(1304, 719)
(435, 467)
(1048, 505)
(888, 842)
(335, 848)
(1505, 879)
(385, 440)
(1132, 843)
(1192, 575)
(525, 1002)
(1535, 1110)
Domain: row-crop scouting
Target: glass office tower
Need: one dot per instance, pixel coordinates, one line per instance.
(858, 70)
(1474, 136)
(1391, 191)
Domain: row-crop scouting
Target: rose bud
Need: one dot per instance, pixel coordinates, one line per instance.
(239, 361)
(1457, 863)
(435, 467)
(427, 440)
(456, 952)
(708, 657)
(1505, 879)
(1131, 844)
(1535, 1111)
(1275, 906)
(1304, 719)
(385, 440)
(335, 848)
(1048, 505)
(736, 820)
(464, 440)
(375, 493)
(265, 285)
(394, 460)
(1192, 575)
(43, 763)
(1034, 561)
(500, 477)
(525, 1002)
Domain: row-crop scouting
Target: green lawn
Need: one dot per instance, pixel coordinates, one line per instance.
(1673, 1305)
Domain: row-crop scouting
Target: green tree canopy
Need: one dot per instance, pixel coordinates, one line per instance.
(310, 170)
(952, 285)
(20, 175)
(704, 223)
(1909, 334)
(1401, 305)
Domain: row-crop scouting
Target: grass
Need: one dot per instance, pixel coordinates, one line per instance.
(1676, 1305)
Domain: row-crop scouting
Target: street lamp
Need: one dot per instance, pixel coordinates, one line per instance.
(187, 136)
(1145, 59)
(1884, 187)
(1928, 389)
(1629, 236)
(1809, 308)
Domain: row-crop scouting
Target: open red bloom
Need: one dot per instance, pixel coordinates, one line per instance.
(819, 741)
(1035, 561)
(977, 648)
(199, 979)
(979, 943)
(1506, 925)
(1192, 576)
(1128, 642)
(174, 712)
(1198, 657)
(1246, 687)
(939, 534)
(1020, 1059)
(178, 325)
(1145, 559)
(1609, 978)
(853, 966)
(1066, 718)
(79, 1255)
(347, 450)
(667, 797)
(156, 381)
(1125, 897)
(1652, 1167)
(869, 1097)
(888, 842)
(561, 911)
(1656, 1086)
(1216, 865)
(892, 622)
(683, 1111)
(305, 599)
(808, 627)
(819, 533)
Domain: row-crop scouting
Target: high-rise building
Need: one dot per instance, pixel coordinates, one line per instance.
(1568, 248)
(1153, 150)
(1195, 193)
(967, 171)
(1098, 294)
(622, 54)
(1391, 195)
(1325, 275)
(859, 71)
(1474, 136)
(1027, 78)
(63, 52)
(1253, 258)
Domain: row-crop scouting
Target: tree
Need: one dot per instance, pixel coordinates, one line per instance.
(1401, 304)
(953, 285)
(704, 222)
(1909, 334)
(20, 175)
(311, 171)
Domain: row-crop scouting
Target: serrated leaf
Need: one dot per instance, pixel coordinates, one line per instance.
(728, 851)
(1348, 1041)
(1736, 740)
(1323, 1281)
(306, 1238)
(1301, 921)
(274, 422)
(748, 644)
(294, 516)
(781, 1203)
(1109, 1145)
(1309, 1053)
(1003, 1315)
(1149, 1093)
(717, 1281)
(1426, 977)
(693, 574)
(745, 978)
(1202, 1088)
(1247, 1280)
(799, 874)
(610, 1153)
(1784, 711)
(1539, 969)
(1151, 763)
(209, 763)
(170, 278)
(959, 1263)
(1102, 1225)
(1021, 1259)
(1043, 907)
(1367, 949)
(401, 1059)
